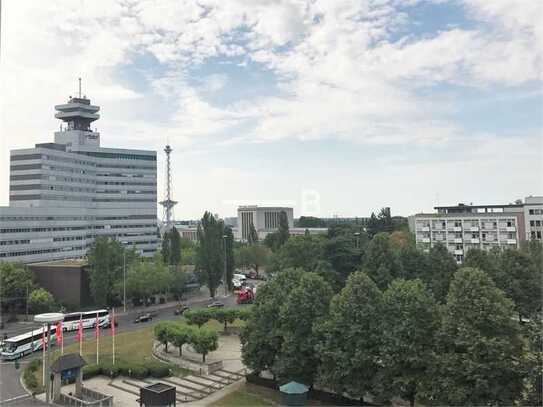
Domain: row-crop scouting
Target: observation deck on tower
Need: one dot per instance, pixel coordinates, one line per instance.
(77, 115)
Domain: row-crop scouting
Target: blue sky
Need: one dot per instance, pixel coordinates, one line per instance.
(401, 103)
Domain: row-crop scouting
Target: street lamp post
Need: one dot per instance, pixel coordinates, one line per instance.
(47, 320)
(357, 236)
(224, 237)
(124, 280)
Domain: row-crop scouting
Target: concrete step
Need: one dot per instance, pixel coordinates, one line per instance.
(201, 380)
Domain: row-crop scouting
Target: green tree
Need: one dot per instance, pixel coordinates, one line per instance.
(332, 277)
(262, 337)
(533, 362)
(40, 301)
(188, 250)
(310, 222)
(349, 340)
(381, 263)
(272, 241)
(178, 283)
(385, 220)
(15, 281)
(166, 246)
(210, 252)
(175, 252)
(342, 254)
(307, 303)
(410, 321)
(414, 263)
(198, 316)
(230, 261)
(520, 278)
(283, 231)
(181, 335)
(253, 235)
(298, 252)
(163, 332)
(105, 259)
(255, 256)
(372, 226)
(203, 341)
(144, 279)
(479, 348)
(482, 260)
(441, 267)
(226, 316)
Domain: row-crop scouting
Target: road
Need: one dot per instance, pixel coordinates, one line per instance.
(13, 393)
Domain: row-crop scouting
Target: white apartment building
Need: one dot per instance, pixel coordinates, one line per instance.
(463, 227)
(66, 193)
(264, 218)
(533, 215)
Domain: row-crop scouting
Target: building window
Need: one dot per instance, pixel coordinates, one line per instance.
(532, 223)
(538, 234)
(538, 223)
(509, 224)
(531, 211)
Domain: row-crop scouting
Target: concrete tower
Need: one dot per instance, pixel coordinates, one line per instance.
(168, 203)
(77, 116)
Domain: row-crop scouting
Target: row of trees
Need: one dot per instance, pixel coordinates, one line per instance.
(214, 253)
(390, 256)
(108, 259)
(396, 341)
(203, 340)
(19, 290)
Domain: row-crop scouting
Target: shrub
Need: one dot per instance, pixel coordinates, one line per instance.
(199, 316)
(158, 370)
(138, 371)
(91, 371)
(29, 376)
(109, 369)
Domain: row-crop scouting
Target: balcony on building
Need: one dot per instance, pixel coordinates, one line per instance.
(457, 240)
(425, 240)
(511, 241)
(474, 229)
(458, 251)
(474, 241)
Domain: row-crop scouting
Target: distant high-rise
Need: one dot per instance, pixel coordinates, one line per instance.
(66, 193)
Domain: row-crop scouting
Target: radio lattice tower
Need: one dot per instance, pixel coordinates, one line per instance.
(168, 203)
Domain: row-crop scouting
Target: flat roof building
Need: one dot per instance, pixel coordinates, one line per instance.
(264, 218)
(463, 227)
(65, 194)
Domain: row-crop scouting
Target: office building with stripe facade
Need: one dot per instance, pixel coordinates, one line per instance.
(264, 219)
(65, 194)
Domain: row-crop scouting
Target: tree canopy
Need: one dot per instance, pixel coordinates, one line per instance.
(210, 252)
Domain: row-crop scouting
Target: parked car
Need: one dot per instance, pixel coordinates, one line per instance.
(143, 318)
(180, 309)
(216, 304)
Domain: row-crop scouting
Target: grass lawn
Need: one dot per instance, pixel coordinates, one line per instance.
(131, 347)
(243, 398)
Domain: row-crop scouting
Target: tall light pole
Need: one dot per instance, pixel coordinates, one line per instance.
(124, 280)
(124, 276)
(357, 236)
(47, 320)
(224, 237)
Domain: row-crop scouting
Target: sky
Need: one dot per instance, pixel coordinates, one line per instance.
(333, 107)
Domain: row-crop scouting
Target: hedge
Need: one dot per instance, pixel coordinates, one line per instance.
(136, 370)
(29, 376)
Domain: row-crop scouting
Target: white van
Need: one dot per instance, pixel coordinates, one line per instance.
(239, 277)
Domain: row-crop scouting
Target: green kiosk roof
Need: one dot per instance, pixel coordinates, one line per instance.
(294, 388)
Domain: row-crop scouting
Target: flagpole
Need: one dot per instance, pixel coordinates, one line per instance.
(43, 354)
(113, 333)
(97, 337)
(80, 337)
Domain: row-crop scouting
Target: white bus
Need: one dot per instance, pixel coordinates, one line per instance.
(88, 318)
(21, 345)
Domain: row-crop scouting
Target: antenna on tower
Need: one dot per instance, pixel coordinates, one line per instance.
(168, 203)
(79, 88)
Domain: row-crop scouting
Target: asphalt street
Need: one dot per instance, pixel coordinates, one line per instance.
(11, 389)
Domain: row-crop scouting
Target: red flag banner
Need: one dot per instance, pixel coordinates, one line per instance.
(79, 335)
(59, 332)
(113, 323)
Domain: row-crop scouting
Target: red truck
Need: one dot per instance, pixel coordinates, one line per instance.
(245, 296)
